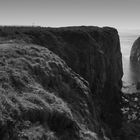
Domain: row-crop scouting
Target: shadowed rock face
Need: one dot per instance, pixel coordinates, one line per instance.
(135, 51)
(42, 98)
(93, 53)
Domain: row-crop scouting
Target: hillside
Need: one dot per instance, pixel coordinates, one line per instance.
(85, 89)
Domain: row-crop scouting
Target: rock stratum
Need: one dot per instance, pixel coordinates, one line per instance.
(60, 83)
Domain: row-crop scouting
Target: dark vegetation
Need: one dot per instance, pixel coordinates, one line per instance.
(50, 99)
(41, 97)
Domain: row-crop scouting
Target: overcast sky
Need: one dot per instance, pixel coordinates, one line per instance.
(116, 13)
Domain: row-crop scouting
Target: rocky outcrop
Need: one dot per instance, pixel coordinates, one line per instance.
(131, 113)
(42, 98)
(135, 51)
(93, 53)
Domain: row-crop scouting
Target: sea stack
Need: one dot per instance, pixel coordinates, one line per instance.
(135, 51)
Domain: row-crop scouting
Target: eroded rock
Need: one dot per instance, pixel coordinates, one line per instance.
(135, 51)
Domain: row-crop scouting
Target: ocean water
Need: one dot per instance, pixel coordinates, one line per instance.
(131, 70)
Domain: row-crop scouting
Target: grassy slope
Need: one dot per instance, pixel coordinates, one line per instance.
(41, 97)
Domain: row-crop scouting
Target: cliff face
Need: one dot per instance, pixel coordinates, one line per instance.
(42, 98)
(93, 53)
(135, 51)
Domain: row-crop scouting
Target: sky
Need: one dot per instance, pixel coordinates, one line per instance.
(121, 14)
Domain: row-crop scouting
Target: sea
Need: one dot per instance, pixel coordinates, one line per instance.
(131, 70)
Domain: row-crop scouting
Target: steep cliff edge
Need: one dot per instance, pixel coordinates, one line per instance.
(42, 98)
(93, 53)
(135, 51)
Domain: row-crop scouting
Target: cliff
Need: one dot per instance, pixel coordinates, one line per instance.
(42, 98)
(94, 54)
(135, 51)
